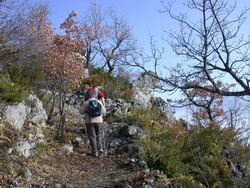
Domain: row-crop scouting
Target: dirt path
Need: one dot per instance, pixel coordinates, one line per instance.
(79, 170)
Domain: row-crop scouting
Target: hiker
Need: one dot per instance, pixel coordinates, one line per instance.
(98, 93)
(94, 125)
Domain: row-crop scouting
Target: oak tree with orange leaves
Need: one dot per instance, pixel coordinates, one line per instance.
(64, 72)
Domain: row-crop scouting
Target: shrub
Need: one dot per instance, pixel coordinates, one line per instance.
(192, 158)
(112, 86)
(27, 76)
(11, 91)
(202, 151)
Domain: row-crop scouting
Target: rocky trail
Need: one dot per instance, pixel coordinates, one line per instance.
(60, 165)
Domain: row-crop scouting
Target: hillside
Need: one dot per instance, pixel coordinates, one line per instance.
(143, 150)
(56, 166)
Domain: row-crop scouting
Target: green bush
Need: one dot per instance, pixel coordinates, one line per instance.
(11, 91)
(202, 151)
(15, 81)
(192, 158)
(150, 118)
(27, 76)
(112, 86)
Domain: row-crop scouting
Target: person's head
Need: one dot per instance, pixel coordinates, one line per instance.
(93, 93)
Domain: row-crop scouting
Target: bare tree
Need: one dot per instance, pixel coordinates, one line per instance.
(214, 47)
(108, 39)
(216, 52)
(119, 43)
(11, 13)
(237, 112)
(92, 28)
(26, 33)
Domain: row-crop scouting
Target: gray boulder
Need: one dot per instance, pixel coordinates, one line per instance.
(30, 117)
(31, 111)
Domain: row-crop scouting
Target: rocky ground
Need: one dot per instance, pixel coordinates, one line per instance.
(54, 166)
(59, 168)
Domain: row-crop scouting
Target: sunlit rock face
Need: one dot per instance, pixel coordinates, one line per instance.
(28, 117)
(31, 111)
(143, 89)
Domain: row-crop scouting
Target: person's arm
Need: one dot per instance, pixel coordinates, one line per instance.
(82, 109)
(101, 97)
(103, 102)
(103, 109)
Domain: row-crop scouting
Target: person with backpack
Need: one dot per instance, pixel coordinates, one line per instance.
(98, 93)
(94, 111)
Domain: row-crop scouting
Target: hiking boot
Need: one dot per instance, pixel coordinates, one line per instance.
(95, 154)
(101, 151)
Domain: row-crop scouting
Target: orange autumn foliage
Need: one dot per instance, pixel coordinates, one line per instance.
(63, 68)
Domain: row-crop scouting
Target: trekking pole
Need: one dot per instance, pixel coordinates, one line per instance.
(104, 139)
(85, 136)
(86, 133)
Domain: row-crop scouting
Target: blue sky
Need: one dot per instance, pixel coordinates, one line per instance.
(142, 15)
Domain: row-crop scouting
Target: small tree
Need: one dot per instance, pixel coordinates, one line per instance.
(64, 73)
(207, 108)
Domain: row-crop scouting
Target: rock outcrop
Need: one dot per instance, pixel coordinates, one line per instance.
(29, 111)
(143, 90)
(28, 117)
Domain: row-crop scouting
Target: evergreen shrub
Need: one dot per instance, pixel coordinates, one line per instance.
(11, 91)
(112, 86)
(192, 158)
